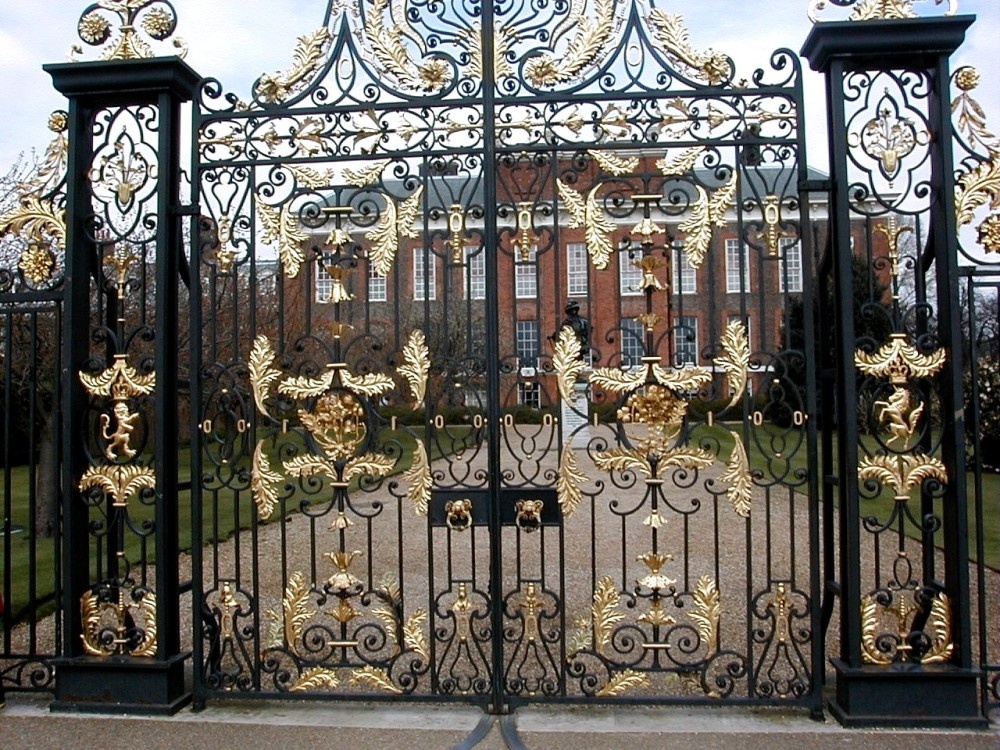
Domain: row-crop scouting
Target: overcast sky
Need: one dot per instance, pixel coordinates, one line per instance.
(237, 40)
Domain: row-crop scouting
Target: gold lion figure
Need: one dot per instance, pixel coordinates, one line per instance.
(118, 441)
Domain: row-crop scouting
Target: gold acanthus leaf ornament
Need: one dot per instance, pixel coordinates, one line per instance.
(416, 365)
(37, 219)
(385, 42)
(309, 53)
(418, 477)
(939, 626)
(593, 30)
(567, 361)
(707, 612)
(976, 188)
(414, 638)
(282, 227)
(93, 608)
(706, 213)
(569, 482)
(118, 481)
(903, 473)
(367, 175)
(680, 164)
(503, 37)
(120, 381)
(262, 481)
(379, 678)
(671, 36)
(370, 384)
(315, 678)
(899, 361)
(621, 682)
(395, 221)
(296, 609)
(735, 359)
(263, 373)
(870, 652)
(614, 164)
(739, 490)
(587, 215)
(605, 613)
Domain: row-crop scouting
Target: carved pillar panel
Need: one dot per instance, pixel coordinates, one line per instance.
(895, 424)
(120, 424)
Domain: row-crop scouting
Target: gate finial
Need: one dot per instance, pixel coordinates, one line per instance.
(156, 18)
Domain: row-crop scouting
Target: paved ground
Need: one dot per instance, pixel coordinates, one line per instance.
(26, 723)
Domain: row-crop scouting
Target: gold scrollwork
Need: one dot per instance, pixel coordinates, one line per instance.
(281, 226)
(976, 186)
(671, 36)
(385, 40)
(309, 52)
(892, 232)
(125, 624)
(904, 610)
(593, 30)
(899, 361)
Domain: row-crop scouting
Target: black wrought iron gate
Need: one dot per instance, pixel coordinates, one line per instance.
(503, 367)
(489, 369)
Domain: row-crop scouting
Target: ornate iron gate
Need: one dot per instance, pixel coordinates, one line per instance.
(452, 480)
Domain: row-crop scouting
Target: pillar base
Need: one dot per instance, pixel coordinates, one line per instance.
(907, 695)
(120, 685)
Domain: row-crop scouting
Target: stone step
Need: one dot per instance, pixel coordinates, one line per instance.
(259, 725)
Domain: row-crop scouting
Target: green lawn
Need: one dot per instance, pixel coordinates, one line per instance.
(223, 516)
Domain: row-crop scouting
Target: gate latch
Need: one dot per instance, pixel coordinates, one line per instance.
(459, 514)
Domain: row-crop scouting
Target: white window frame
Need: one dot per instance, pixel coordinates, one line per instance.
(790, 250)
(629, 276)
(419, 266)
(474, 273)
(576, 270)
(529, 394)
(378, 285)
(526, 275)
(526, 358)
(734, 250)
(685, 276)
(323, 284)
(633, 347)
(684, 325)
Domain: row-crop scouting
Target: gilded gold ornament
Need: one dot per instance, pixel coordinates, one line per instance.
(670, 35)
(281, 226)
(567, 361)
(385, 42)
(379, 678)
(903, 473)
(262, 482)
(622, 682)
(587, 215)
(315, 678)
(892, 233)
(37, 263)
(680, 164)
(989, 233)
(396, 221)
(735, 360)
(899, 361)
(263, 373)
(605, 614)
(569, 482)
(655, 580)
(706, 213)
(419, 480)
(416, 365)
(707, 612)
(739, 481)
(309, 53)
(129, 616)
(589, 43)
(118, 481)
(614, 164)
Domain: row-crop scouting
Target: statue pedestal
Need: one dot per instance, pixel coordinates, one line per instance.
(575, 417)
